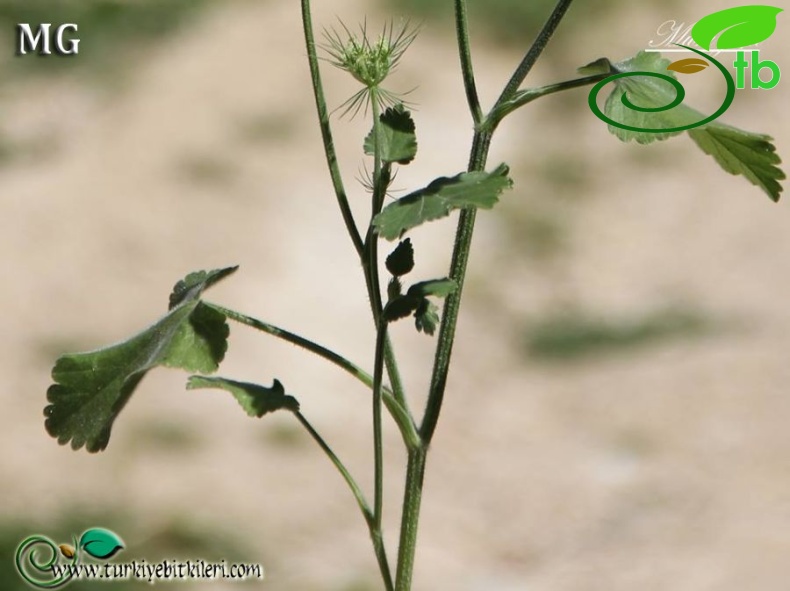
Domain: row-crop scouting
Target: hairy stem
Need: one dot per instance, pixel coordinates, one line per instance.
(465, 53)
(375, 530)
(410, 519)
(378, 444)
(337, 182)
(326, 130)
(465, 230)
(535, 51)
(401, 417)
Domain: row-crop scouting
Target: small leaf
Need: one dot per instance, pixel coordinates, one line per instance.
(91, 389)
(101, 543)
(437, 200)
(67, 550)
(740, 152)
(426, 317)
(199, 280)
(256, 400)
(690, 65)
(439, 288)
(739, 27)
(401, 261)
(400, 307)
(600, 66)
(648, 92)
(397, 141)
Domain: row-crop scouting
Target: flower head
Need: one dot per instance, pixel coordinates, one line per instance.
(369, 61)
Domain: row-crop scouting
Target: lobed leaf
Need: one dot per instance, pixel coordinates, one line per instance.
(401, 261)
(647, 92)
(438, 199)
(91, 389)
(397, 140)
(743, 153)
(426, 317)
(440, 288)
(256, 400)
(415, 301)
(739, 152)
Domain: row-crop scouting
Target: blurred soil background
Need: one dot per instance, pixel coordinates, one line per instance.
(617, 412)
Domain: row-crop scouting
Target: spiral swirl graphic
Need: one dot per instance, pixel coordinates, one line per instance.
(27, 559)
(680, 96)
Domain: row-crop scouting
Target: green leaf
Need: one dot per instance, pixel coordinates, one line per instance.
(397, 140)
(741, 152)
(401, 261)
(426, 317)
(256, 400)
(101, 543)
(400, 307)
(415, 302)
(200, 281)
(437, 200)
(648, 92)
(91, 389)
(439, 288)
(738, 152)
(600, 66)
(739, 27)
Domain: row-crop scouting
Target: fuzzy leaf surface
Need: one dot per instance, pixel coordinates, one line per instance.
(397, 140)
(91, 389)
(256, 400)
(738, 152)
(438, 199)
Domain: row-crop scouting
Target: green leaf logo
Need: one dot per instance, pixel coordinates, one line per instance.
(736, 27)
(101, 543)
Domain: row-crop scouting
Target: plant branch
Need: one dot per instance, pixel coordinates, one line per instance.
(401, 417)
(524, 97)
(458, 265)
(375, 530)
(465, 53)
(326, 130)
(534, 52)
(410, 519)
(378, 445)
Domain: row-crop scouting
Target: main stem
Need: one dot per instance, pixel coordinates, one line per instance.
(481, 144)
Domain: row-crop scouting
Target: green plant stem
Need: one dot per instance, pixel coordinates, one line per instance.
(375, 529)
(378, 444)
(337, 183)
(477, 161)
(401, 417)
(465, 53)
(326, 130)
(410, 518)
(531, 57)
(465, 230)
(374, 288)
(524, 97)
